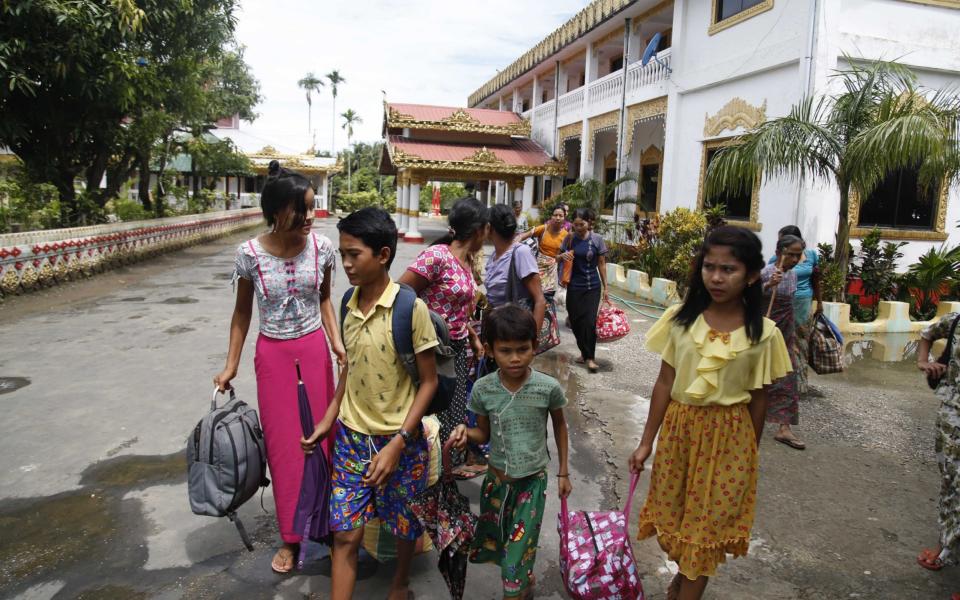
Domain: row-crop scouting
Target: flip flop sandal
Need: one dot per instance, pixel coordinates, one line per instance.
(930, 560)
(283, 571)
(464, 472)
(793, 443)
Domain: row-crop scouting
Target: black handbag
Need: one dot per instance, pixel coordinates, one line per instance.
(934, 382)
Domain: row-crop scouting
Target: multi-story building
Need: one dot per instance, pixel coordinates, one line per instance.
(720, 68)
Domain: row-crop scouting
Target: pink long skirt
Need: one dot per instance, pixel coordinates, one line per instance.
(280, 413)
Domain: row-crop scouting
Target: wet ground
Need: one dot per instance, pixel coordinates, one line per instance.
(101, 380)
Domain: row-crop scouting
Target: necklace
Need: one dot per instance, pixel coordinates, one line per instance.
(724, 336)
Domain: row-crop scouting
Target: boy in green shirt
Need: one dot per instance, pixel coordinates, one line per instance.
(512, 406)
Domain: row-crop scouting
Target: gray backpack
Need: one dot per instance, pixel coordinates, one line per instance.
(226, 461)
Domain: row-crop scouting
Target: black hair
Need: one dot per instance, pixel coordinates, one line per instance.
(746, 248)
(467, 216)
(790, 230)
(509, 323)
(374, 227)
(586, 214)
(788, 240)
(284, 189)
(503, 221)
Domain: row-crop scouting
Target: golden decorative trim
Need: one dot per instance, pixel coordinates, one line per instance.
(651, 156)
(485, 156)
(601, 123)
(268, 151)
(735, 113)
(938, 233)
(753, 223)
(596, 13)
(459, 121)
(940, 3)
(568, 132)
(740, 17)
(639, 112)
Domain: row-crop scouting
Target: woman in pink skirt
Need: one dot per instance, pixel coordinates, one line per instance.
(289, 270)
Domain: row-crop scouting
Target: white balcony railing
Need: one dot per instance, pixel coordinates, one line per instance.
(605, 89)
(571, 104)
(639, 76)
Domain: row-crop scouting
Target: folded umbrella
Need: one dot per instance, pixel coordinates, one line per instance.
(445, 515)
(312, 517)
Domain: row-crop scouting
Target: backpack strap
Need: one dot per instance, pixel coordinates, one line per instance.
(343, 307)
(256, 259)
(402, 323)
(232, 515)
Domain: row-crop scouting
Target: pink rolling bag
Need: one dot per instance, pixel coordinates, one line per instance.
(595, 553)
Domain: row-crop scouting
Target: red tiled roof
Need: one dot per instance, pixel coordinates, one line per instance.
(520, 153)
(425, 112)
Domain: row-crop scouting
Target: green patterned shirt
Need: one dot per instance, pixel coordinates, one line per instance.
(518, 422)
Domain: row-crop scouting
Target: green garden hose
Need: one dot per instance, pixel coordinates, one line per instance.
(632, 305)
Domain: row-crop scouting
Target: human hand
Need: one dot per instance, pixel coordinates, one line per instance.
(308, 445)
(222, 380)
(818, 310)
(566, 256)
(477, 346)
(775, 278)
(383, 464)
(341, 353)
(564, 487)
(639, 456)
(932, 369)
(606, 296)
(459, 437)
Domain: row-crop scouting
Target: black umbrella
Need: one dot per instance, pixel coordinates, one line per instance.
(312, 517)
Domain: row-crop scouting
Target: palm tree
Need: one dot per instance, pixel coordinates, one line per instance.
(350, 118)
(335, 80)
(880, 121)
(310, 84)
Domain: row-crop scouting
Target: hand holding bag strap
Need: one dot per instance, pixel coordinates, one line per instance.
(216, 390)
(634, 480)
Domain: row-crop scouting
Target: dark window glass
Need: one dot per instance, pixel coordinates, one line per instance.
(664, 42)
(616, 64)
(609, 176)
(729, 8)
(738, 205)
(649, 179)
(900, 202)
(547, 187)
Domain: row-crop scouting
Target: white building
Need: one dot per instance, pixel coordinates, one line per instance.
(722, 67)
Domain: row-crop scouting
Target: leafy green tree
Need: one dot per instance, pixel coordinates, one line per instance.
(310, 84)
(350, 118)
(335, 80)
(880, 122)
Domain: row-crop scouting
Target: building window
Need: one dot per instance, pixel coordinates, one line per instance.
(900, 203)
(616, 64)
(741, 207)
(727, 13)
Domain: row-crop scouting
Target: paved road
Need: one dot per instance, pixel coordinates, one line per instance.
(92, 479)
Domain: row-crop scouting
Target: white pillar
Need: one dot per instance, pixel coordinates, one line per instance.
(527, 193)
(482, 193)
(413, 228)
(537, 92)
(517, 101)
(404, 217)
(398, 210)
(324, 200)
(586, 156)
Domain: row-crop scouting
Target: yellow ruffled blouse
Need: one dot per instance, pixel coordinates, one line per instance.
(714, 368)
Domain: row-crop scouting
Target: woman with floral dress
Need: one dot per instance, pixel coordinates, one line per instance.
(779, 289)
(947, 551)
(289, 271)
(442, 276)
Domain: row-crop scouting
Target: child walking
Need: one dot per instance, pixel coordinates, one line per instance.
(709, 405)
(512, 406)
(380, 457)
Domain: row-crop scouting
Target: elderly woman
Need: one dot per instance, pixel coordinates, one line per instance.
(780, 289)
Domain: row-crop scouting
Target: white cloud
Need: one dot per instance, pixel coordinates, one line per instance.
(421, 51)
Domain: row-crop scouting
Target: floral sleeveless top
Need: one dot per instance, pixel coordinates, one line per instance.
(287, 289)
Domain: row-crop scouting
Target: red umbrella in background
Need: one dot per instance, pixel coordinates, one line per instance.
(312, 517)
(436, 200)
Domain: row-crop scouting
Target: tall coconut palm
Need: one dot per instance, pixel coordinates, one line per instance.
(310, 84)
(335, 80)
(880, 121)
(350, 118)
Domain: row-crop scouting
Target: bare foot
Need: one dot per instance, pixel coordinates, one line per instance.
(592, 366)
(579, 360)
(285, 558)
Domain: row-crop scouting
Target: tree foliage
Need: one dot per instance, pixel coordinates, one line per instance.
(88, 87)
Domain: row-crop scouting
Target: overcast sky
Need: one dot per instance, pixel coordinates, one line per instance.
(419, 51)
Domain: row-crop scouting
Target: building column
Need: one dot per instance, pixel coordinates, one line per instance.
(413, 234)
(323, 205)
(526, 193)
(517, 101)
(483, 192)
(404, 212)
(398, 209)
(590, 74)
(537, 92)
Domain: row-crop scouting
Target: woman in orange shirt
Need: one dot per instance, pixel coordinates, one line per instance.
(550, 237)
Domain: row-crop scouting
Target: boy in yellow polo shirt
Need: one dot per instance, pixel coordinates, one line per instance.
(380, 458)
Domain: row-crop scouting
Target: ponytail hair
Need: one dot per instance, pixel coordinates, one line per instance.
(467, 216)
(284, 189)
(747, 249)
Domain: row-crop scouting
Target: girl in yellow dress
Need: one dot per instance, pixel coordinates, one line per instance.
(708, 405)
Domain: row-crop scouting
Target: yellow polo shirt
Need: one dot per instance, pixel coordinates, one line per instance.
(379, 393)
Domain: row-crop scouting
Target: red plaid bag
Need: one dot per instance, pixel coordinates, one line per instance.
(612, 323)
(826, 351)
